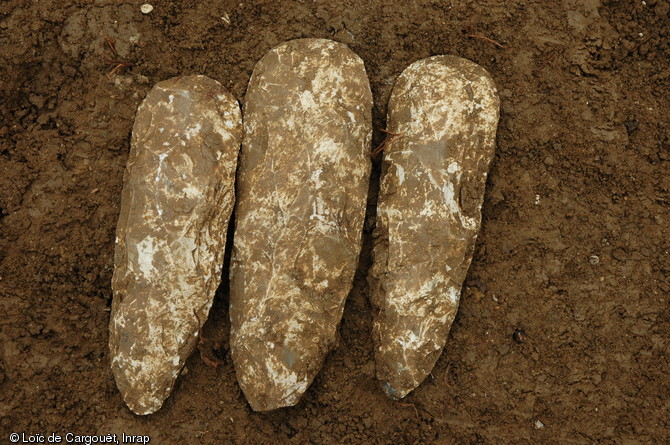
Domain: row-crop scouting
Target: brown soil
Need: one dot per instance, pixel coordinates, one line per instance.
(573, 252)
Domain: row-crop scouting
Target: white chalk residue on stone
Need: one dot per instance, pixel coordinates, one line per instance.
(192, 131)
(146, 249)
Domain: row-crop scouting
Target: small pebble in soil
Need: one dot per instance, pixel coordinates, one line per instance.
(146, 8)
(594, 259)
(539, 425)
(519, 336)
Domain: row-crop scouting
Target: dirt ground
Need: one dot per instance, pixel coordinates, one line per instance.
(573, 253)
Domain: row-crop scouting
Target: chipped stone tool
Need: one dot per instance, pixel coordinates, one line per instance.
(178, 194)
(444, 113)
(302, 187)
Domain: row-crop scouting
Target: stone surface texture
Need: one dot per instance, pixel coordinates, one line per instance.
(429, 212)
(176, 202)
(302, 187)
